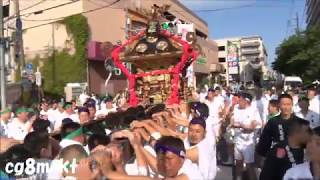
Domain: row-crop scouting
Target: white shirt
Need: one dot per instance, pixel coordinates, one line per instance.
(259, 105)
(311, 116)
(83, 98)
(315, 105)
(4, 128)
(245, 117)
(17, 130)
(215, 107)
(300, 171)
(133, 169)
(207, 156)
(58, 122)
(52, 115)
(191, 170)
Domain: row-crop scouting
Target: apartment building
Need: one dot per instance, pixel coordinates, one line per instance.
(107, 23)
(244, 58)
(313, 12)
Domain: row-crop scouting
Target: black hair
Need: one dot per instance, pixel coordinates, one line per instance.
(283, 96)
(112, 120)
(303, 99)
(202, 108)
(66, 121)
(16, 153)
(274, 103)
(155, 109)
(173, 142)
(98, 139)
(316, 131)
(107, 99)
(83, 109)
(68, 128)
(40, 125)
(45, 102)
(246, 95)
(94, 128)
(296, 124)
(35, 141)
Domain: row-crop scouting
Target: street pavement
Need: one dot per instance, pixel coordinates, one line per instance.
(224, 173)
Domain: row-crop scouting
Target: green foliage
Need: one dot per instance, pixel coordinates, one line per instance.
(300, 55)
(61, 67)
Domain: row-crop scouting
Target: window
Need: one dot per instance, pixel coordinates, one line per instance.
(136, 27)
(221, 48)
(201, 34)
(221, 60)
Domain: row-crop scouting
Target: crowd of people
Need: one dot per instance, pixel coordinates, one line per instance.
(269, 134)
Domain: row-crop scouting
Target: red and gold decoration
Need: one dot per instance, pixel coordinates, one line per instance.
(160, 57)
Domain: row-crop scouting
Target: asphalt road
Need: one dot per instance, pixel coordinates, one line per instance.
(224, 173)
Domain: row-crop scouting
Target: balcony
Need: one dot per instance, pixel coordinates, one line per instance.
(250, 44)
(250, 51)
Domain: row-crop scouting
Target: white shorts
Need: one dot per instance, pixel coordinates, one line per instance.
(244, 152)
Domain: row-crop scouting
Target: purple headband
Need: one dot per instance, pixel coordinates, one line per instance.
(163, 149)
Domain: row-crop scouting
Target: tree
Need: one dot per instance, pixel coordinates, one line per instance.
(300, 55)
(62, 67)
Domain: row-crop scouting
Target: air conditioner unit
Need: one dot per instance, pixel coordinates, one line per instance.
(73, 90)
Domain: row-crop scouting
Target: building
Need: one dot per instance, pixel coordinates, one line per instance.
(243, 58)
(313, 12)
(109, 21)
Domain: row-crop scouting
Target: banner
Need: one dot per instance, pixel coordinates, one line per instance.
(233, 57)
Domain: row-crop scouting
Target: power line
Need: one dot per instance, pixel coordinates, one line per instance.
(43, 10)
(201, 10)
(33, 5)
(47, 9)
(84, 12)
(95, 3)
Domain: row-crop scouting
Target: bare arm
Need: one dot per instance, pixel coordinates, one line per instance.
(150, 159)
(193, 154)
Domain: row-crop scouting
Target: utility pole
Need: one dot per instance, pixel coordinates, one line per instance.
(3, 80)
(21, 59)
(297, 21)
(53, 56)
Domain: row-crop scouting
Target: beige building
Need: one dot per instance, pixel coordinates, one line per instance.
(107, 23)
(247, 58)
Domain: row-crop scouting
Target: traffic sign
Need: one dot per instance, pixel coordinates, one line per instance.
(29, 68)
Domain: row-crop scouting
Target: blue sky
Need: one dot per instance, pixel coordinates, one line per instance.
(267, 18)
